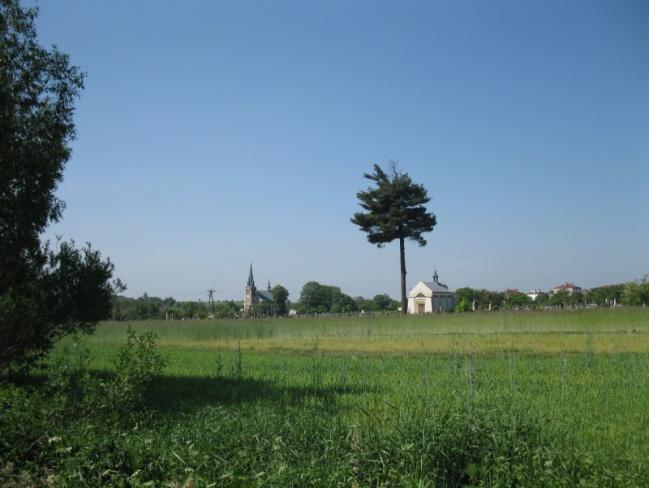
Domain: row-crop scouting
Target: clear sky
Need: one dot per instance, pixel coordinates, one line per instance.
(213, 134)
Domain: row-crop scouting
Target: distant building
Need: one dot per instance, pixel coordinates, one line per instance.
(253, 295)
(534, 294)
(430, 296)
(569, 288)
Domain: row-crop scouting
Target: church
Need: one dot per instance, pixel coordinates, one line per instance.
(253, 295)
(430, 296)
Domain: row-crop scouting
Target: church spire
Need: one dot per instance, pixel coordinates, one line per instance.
(269, 288)
(435, 276)
(251, 279)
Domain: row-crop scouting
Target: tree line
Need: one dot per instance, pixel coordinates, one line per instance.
(634, 293)
(314, 298)
(317, 298)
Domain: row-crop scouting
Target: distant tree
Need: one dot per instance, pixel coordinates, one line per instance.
(344, 304)
(559, 299)
(226, 310)
(263, 309)
(45, 293)
(280, 295)
(365, 305)
(493, 299)
(636, 293)
(517, 300)
(605, 295)
(394, 209)
(576, 298)
(465, 299)
(382, 301)
(542, 300)
(463, 305)
(318, 298)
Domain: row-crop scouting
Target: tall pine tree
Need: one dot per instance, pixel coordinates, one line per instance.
(394, 210)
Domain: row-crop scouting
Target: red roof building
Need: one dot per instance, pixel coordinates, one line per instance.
(569, 288)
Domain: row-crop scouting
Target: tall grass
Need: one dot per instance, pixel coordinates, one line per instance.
(610, 331)
(231, 416)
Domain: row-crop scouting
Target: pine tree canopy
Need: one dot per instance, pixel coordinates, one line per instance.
(394, 208)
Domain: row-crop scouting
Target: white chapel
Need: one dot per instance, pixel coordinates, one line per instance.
(430, 296)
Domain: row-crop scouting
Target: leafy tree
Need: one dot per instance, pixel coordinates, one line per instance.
(576, 298)
(44, 293)
(606, 295)
(517, 300)
(382, 301)
(542, 300)
(226, 309)
(343, 304)
(463, 305)
(318, 298)
(559, 299)
(280, 295)
(465, 297)
(394, 210)
(365, 305)
(263, 309)
(636, 293)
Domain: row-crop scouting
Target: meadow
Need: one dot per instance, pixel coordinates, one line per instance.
(484, 399)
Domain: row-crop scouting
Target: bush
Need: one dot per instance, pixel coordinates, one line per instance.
(44, 425)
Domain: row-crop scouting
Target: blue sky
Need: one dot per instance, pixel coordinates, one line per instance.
(215, 134)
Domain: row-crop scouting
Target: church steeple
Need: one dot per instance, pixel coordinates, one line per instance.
(435, 276)
(251, 279)
(269, 288)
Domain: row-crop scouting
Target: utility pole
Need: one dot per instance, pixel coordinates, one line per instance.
(210, 299)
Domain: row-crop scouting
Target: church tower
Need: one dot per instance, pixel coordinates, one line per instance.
(251, 298)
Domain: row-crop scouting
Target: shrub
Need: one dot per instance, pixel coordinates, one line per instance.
(74, 412)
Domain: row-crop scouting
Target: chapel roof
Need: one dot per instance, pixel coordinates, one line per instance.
(436, 286)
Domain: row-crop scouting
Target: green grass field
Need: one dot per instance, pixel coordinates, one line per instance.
(601, 331)
(500, 399)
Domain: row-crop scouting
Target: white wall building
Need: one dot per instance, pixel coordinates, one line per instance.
(569, 288)
(430, 296)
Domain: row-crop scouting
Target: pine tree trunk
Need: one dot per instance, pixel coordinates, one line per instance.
(402, 251)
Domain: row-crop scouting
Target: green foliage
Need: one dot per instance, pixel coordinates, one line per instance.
(280, 296)
(542, 300)
(343, 304)
(482, 299)
(138, 363)
(463, 305)
(263, 309)
(606, 295)
(309, 420)
(384, 303)
(318, 298)
(517, 300)
(365, 305)
(394, 209)
(44, 294)
(147, 307)
(559, 298)
(636, 293)
(75, 416)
